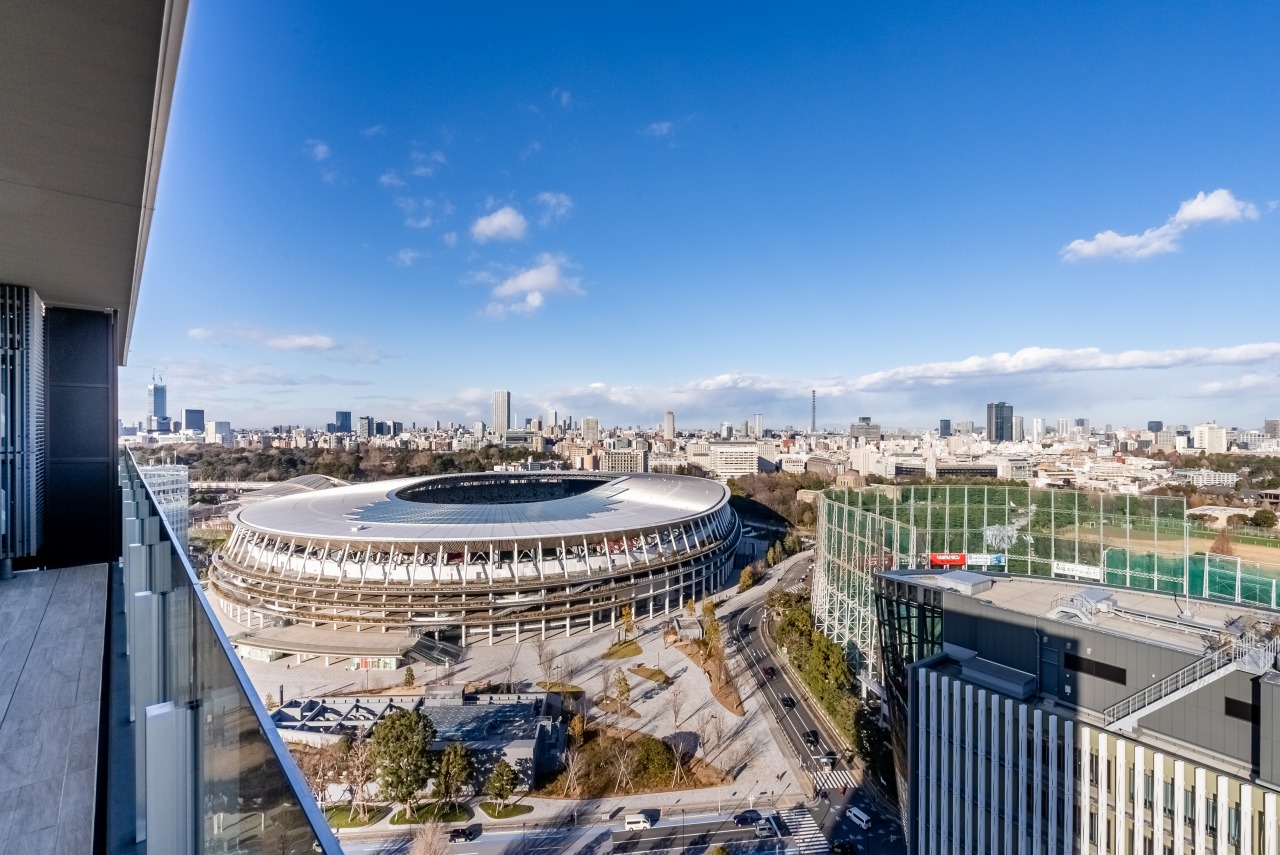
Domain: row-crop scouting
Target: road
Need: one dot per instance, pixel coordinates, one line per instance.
(885, 834)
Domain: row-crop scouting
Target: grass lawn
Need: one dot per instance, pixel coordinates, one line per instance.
(560, 687)
(655, 675)
(505, 813)
(623, 650)
(435, 812)
(612, 705)
(344, 817)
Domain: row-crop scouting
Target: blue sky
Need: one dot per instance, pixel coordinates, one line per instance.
(614, 211)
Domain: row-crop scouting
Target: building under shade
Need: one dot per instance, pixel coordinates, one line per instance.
(366, 569)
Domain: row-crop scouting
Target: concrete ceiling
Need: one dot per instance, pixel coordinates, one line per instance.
(85, 89)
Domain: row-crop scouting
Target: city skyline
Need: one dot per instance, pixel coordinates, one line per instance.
(439, 200)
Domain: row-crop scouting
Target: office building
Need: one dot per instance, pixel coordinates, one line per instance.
(591, 431)
(218, 433)
(964, 429)
(342, 421)
(193, 420)
(726, 430)
(365, 427)
(758, 423)
(944, 428)
(87, 91)
(168, 487)
(1082, 426)
(1155, 426)
(864, 429)
(669, 426)
(157, 408)
(1271, 428)
(1209, 438)
(501, 412)
(1064, 428)
(999, 422)
(1019, 429)
(1037, 430)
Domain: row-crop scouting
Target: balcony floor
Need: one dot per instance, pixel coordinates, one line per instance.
(51, 636)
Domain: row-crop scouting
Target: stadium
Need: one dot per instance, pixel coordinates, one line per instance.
(461, 559)
(1142, 543)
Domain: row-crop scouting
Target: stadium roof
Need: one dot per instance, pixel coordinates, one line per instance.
(373, 512)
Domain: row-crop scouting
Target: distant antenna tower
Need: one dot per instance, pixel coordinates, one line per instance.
(813, 411)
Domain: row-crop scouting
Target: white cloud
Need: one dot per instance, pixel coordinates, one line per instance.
(423, 222)
(406, 257)
(202, 334)
(390, 179)
(555, 207)
(524, 292)
(318, 150)
(506, 223)
(425, 163)
(373, 131)
(1216, 207)
(450, 239)
(562, 97)
(301, 341)
(530, 150)
(1034, 360)
(659, 130)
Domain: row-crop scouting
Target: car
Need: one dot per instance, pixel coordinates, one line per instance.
(765, 829)
(843, 847)
(829, 760)
(461, 835)
(770, 673)
(747, 817)
(811, 738)
(788, 702)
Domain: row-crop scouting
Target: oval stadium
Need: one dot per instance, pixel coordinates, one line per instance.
(461, 559)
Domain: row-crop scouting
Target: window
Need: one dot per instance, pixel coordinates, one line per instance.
(1233, 825)
(1211, 815)
(1168, 798)
(1243, 710)
(1094, 668)
(1189, 807)
(1093, 768)
(1093, 827)
(1148, 789)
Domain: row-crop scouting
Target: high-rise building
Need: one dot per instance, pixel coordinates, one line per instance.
(669, 426)
(944, 428)
(1019, 429)
(865, 430)
(590, 431)
(1037, 430)
(157, 408)
(1082, 425)
(964, 429)
(999, 422)
(342, 421)
(218, 433)
(726, 430)
(759, 425)
(193, 420)
(813, 411)
(1064, 427)
(169, 488)
(1155, 426)
(1271, 428)
(501, 411)
(365, 427)
(1209, 438)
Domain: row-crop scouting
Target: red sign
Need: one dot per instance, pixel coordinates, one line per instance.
(947, 559)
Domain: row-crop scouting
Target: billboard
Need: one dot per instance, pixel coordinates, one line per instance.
(986, 559)
(1080, 571)
(947, 559)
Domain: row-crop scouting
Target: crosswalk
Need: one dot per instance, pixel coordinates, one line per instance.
(799, 587)
(805, 834)
(831, 780)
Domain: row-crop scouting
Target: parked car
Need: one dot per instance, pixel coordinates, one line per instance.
(747, 817)
(461, 835)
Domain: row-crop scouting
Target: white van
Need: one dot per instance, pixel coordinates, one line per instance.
(636, 822)
(859, 818)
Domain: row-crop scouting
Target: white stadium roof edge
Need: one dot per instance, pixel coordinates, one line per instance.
(374, 512)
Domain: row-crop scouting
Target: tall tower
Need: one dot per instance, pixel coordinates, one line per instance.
(999, 422)
(501, 412)
(590, 431)
(669, 426)
(157, 406)
(813, 411)
(759, 425)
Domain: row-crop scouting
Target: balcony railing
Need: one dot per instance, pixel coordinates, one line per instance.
(212, 775)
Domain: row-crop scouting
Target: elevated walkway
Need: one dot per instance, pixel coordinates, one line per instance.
(1247, 654)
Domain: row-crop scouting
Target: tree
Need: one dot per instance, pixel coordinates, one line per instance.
(546, 659)
(746, 579)
(577, 729)
(430, 839)
(317, 765)
(360, 773)
(1264, 518)
(689, 608)
(402, 755)
(454, 771)
(270, 702)
(501, 783)
(622, 688)
(676, 698)
(408, 677)
(628, 622)
(1222, 544)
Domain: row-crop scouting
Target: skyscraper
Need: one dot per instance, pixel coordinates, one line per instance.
(1037, 430)
(944, 428)
(342, 420)
(1019, 429)
(999, 422)
(1271, 428)
(669, 425)
(193, 420)
(1063, 427)
(813, 411)
(759, 425)
(365, 428)
(590, 431)
(501, 411)
(1155, 426)
(157, 407)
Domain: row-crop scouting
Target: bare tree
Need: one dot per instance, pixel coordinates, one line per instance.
(429, 838)
(709, 728)
(676, 699)
(315, 768)
(569, 668)
(361, 772)
(546, 659)
(622, 756)
(574, 763)
(678, 752)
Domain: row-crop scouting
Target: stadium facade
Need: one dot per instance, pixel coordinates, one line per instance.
(477, 557)
(1064, 672)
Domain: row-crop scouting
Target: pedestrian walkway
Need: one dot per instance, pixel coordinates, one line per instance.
(799, 587)
(831, 780)
(805, 833)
